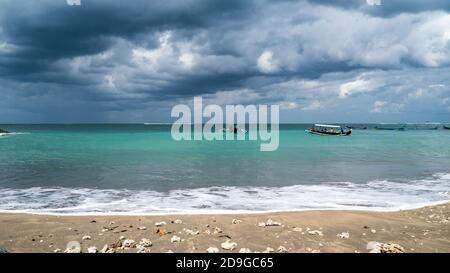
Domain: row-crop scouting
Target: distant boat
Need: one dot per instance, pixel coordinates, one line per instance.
(390, 126)
(425, 126)
(361, 127)
(3, 132)
(447, 127)
(328, 130)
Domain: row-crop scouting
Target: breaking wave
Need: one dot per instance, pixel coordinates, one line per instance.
(374, 195)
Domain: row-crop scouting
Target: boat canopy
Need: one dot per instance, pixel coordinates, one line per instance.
(325, 125)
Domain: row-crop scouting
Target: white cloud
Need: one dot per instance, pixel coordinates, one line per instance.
(314, 105)
(417, 94)
(187, 59)
(153, 57)
(109, 81)
(267, 63)
(359, 85)
(237, 96)
(288, 105)
(429, 40)
(73, 2)
(373, 2)
(384, 106)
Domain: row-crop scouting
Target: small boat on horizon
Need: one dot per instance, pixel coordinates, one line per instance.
(446, 127)
(361, 127)
(390, 126)
(423, 126)
(4, 132)
(328, 130)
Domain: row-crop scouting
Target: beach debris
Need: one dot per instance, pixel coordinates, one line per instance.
(122, 238)
(161, 231)
(373, 231)
(308, 249)
(269, 250)
(297, 229)
(272, 223)
(212, 250)
(191, 232)
(169, 251)
(207, 232)
(86, 237)
(228, 245)
(128, 243)
(269, 223)
(217, 230)
(160, 224)
(92, 249)
(175, 239)
(104, 249)
(315, 232)
(93, 221)
(120, 231)
(112, 223)
(344, 235)
(140, 249)
(282, 249)
(142, 228)
(376, 247)
(73, 247)
(105, 229)
(236, 221)
(245, 250)
(178, 221)
(144, 242)
(57, 250)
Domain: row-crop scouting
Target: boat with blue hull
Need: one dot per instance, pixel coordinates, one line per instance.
(328, 130)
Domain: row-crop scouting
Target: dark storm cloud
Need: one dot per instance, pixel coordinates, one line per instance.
(115, 59)
(388, 7)
(45, 31)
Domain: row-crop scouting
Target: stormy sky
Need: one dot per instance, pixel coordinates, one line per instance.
(131, 61)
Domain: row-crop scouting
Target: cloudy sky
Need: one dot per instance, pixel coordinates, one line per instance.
(131, 61)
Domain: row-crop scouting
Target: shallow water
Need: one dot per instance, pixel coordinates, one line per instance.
(139, 169)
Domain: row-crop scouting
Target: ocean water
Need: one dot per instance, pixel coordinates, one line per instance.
(139, 169)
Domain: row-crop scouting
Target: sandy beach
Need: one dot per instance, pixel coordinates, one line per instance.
(421, 230)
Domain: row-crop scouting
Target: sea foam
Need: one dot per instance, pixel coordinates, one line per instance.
(374, 195)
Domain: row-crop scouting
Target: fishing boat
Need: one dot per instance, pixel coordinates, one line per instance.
(328, 130)
(390, 126)
(3, 132)
(423, 126)
(356, 126)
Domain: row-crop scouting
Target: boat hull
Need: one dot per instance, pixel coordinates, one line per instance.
(348, 133)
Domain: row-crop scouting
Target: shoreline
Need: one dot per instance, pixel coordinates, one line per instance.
(227, 212)
(425, 229)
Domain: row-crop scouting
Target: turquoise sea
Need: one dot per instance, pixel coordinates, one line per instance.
(140, 169)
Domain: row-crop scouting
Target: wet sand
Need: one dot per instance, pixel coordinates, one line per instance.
(420, 230)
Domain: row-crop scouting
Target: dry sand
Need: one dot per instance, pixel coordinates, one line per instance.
(421, 230)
